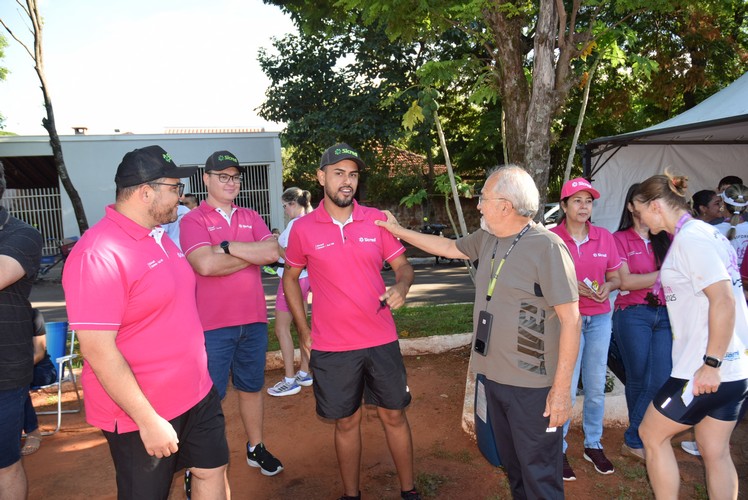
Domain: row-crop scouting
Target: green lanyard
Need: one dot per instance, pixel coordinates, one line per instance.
(492, 283)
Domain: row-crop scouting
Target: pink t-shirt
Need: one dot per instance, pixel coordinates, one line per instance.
(238, 298)
(119, 278)
(344, 267)
(592, 259)
(640, 258)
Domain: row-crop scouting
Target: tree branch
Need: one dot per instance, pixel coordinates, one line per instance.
(13, 35)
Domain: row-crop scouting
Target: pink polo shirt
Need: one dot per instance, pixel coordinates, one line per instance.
(119, 278)
(592, 259)
(640, 258)
(344, 267)
(238, 298)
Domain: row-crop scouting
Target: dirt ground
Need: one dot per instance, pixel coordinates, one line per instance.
(75, 462)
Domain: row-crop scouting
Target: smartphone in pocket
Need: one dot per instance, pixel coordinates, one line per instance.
(483, 332)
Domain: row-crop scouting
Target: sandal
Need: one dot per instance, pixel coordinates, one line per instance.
(31, 445)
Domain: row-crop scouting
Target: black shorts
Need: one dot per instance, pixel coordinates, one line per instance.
(202, 444)
(723, 405)
(341, 379)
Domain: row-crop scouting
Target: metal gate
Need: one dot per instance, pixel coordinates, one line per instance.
(40, 207)
(254, 192)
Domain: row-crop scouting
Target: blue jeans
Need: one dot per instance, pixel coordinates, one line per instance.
(645, 341)
(592, 363)
(11, 424)
(240, 350)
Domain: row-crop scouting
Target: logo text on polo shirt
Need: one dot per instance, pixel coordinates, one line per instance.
(320, 246)
(154, 263)
(599, 254)
(245, 226)
(364, 239)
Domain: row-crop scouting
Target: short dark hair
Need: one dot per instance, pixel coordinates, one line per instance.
(729, 181)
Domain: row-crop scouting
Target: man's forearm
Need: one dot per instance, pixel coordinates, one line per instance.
(258, 253)
(568, 344)
(294, 298)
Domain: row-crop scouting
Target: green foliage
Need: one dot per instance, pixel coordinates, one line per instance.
(3, 70)
(3, 74)
(414, 198)
(656, 59)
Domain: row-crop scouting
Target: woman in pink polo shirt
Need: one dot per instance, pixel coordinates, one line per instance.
(641, 327)
(596, 260)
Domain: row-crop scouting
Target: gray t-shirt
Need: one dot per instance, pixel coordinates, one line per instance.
(537, 275)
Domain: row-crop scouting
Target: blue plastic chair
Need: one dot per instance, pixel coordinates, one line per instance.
(57, 338)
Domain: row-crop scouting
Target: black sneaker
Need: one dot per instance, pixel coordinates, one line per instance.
(599, 460)
(568, 471)
(262, 458)
(410, 495)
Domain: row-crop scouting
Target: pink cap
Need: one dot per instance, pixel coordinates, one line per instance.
(573, 186)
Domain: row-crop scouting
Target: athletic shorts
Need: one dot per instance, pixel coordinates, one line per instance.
(241, 351)
(341, 379)
(723, 405)
(12, 404)
(280, 296)
(202, 444)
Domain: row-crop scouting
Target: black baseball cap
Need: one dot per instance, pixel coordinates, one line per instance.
(221, 160)
(340, 152)
(148, 164)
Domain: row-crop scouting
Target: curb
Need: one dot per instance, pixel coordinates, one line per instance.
(408, 347)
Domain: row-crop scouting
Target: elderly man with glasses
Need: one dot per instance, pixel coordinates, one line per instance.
(130, 296)
(227, 245)
(527, 328)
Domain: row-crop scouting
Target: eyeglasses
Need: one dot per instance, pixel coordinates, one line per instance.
(482, 199)
(224, 178)
(287, 203)
(178, 185)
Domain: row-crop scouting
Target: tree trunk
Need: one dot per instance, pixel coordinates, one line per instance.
(537, 159)
(580, 121)
(49, 121)
(508, 55)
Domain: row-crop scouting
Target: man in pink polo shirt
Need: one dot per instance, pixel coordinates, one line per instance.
(226, 246)
(130, 297)
(355, 352)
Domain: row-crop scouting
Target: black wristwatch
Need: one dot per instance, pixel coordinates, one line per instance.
(225, 247)
(712, 361)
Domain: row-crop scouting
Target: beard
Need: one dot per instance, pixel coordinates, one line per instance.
(162, 214)
(484, 225)
(339, 199)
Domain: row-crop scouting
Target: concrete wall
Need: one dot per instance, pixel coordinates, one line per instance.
(92, 161)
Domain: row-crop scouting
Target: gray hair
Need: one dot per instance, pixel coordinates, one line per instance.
(514, 183)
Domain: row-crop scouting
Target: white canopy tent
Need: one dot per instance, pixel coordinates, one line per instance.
(706, 143)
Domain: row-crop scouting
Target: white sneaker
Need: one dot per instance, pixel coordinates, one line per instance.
(284, 388)
(691, 448)
(305, 381)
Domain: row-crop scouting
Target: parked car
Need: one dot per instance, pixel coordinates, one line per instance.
(551, 215)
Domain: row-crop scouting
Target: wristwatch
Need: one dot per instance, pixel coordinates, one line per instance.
(712, 361)
(225, 247)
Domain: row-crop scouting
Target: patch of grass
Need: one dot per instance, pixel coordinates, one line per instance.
(634, 471)
(700, 492)
(428, 483)
(462, 456)
(412, 322)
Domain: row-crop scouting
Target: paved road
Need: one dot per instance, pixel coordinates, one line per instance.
(445, 283)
